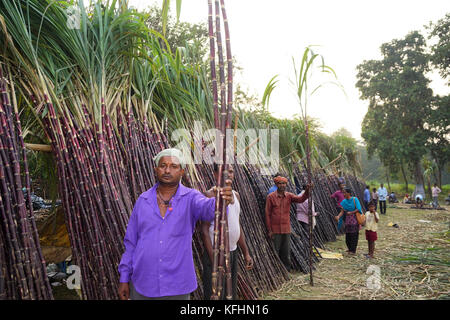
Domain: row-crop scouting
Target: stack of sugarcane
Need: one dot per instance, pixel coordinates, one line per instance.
(102, 171)
(22, 267)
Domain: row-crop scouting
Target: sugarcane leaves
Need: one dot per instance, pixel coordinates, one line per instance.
(304, 75)
(165, 13)
(268, 91)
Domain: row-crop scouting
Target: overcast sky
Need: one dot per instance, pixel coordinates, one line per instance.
(267, 34)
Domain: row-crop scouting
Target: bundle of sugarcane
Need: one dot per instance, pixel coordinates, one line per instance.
(221, 251)
(326, 228)
(22, 267)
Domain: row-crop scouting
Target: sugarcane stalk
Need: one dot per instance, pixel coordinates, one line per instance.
(212, 59)
(229, 109)
(310, 214)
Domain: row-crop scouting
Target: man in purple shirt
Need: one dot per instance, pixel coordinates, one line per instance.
(157, 262)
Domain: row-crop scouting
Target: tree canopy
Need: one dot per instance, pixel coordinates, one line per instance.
(399, 101)
(405, 121)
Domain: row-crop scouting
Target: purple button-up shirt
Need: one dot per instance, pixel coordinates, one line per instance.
(158, 251)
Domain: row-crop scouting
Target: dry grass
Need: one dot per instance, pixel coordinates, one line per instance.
(414, 260)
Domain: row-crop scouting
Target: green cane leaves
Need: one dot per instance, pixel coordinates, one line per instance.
(268, 91)
(304, 74)
(165, 13)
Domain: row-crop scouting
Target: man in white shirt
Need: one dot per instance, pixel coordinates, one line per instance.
(382, 195)
(236, 238)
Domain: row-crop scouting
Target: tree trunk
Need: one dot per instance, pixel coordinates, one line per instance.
(404, 177)
(439, 175)
(429, 187)
(418, 174)
(388, 173)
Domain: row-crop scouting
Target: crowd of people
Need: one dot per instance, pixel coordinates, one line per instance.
(158, 261)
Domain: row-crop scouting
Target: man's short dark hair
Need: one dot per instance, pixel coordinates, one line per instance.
(277, 175)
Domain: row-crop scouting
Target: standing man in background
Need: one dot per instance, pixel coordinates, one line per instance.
(435, 193)
(382, 195)
(278, 206)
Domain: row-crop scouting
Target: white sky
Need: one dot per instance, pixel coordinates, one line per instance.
(266, 34)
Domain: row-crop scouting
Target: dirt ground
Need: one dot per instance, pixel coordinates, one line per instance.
(53, 236)
(413, 262)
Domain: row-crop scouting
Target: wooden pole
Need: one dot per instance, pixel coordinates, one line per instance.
(38, 147)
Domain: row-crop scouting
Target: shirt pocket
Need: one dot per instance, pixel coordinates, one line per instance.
(180, 224)
(275, 206)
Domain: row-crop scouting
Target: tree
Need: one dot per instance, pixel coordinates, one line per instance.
(441, 50)
(399, 102)
(346, 146)
(178, 33)
(439, 141)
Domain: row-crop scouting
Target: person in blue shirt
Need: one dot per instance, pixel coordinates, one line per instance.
(350, 208)
(367, 197)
